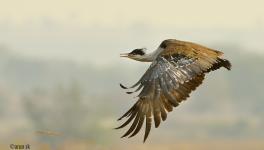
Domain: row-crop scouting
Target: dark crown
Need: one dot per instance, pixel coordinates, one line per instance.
(137, 52)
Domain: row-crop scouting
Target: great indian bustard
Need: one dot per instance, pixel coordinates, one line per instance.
(177, 68)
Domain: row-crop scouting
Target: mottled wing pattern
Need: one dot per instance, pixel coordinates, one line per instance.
(207, 59)
(168, 81)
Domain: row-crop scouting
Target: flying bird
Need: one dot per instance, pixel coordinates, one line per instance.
(177, 69)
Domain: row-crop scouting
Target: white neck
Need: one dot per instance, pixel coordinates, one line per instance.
(151, 56)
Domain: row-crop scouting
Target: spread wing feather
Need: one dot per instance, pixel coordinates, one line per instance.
(165, 84)
(177, 71)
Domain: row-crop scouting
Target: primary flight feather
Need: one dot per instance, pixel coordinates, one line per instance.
(177, 68)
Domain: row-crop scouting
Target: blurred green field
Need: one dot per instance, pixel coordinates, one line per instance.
(61, 107)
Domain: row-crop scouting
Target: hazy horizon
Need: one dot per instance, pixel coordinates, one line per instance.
(97, 31)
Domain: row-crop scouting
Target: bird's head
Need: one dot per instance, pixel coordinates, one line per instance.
(136, 54)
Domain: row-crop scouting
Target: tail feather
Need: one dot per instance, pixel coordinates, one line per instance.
(225, 63)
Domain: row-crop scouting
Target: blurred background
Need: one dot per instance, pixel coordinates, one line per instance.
(60, 72)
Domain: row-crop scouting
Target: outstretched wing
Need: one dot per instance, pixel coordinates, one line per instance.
(178, 69)
(167, 82)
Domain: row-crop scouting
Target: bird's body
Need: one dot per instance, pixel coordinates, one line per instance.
(177, 68)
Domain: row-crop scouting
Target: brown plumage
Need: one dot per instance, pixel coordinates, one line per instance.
(177, 69)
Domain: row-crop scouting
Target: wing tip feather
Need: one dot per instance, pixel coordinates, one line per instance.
(122, 86)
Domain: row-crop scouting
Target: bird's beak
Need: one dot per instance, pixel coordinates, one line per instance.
(124, 55)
